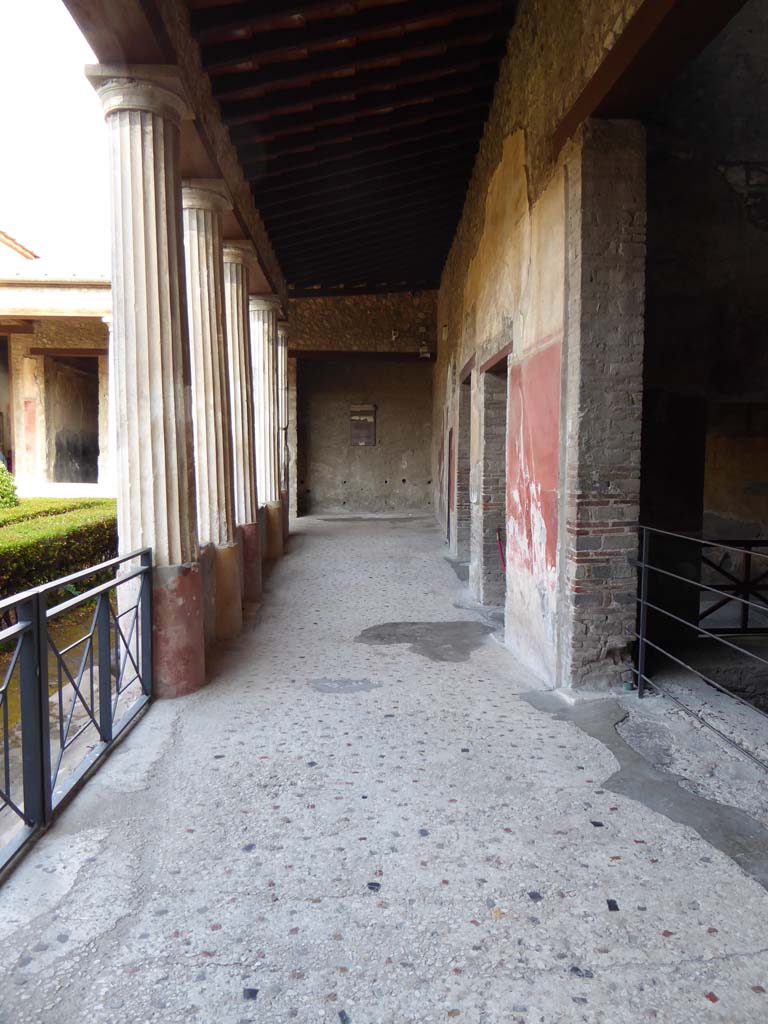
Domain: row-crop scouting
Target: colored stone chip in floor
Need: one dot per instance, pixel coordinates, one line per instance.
(363, 819)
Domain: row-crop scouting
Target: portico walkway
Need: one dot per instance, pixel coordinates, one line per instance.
(372, 826)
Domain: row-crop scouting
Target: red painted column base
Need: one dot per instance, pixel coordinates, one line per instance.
(284, 501)
(251, 546)
(178, 636)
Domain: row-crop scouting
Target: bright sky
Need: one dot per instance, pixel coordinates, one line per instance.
(54, 180)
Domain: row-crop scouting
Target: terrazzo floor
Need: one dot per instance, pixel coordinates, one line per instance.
(362, 819)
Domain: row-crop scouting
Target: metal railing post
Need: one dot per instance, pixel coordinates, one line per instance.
(643, 621)
(35, 728)
(145, 623)
(105, 667)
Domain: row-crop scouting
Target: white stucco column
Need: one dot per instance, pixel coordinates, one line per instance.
(237, 258)
(282, 419)
(203, 203)
(143, 107)
(263, 318)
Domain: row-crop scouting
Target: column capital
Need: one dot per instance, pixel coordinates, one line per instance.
(239, 252)
(263, 302)
(155, 88)
(205, 194)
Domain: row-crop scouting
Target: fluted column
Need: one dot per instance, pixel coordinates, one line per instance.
(143, 107)
(237, 257)
(203, 203)
(263, 317)
(282, 419)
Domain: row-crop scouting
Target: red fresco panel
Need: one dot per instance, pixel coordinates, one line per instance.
(533, 414)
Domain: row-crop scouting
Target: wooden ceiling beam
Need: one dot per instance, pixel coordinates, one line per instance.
(368, 198)
(331, 64)
(351, 87)
(423, 94)
(427, 114)
(400, 223)
(396, 19)
(379, 164)
(328, 291)
(349, 268)
(225, 20)
(362, 221)
(327, 161)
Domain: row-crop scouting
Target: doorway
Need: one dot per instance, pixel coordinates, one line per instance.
(488, 490)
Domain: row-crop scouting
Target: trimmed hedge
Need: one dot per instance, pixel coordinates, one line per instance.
(35, 508)
(37, 550)
(8, 496)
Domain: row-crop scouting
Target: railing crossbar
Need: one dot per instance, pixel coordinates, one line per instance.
(698, 628)
(723, 572)
(701, 675)
(736, 546)
(126, 644)
(701, 586)
(11, 631)
(88, 595)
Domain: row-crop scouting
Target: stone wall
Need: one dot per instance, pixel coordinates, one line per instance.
(393, 475)
(393, 322)
(488, 491)
(292, 441)
(513, 286)
(601, 406)
(462, 506)
(329, 473)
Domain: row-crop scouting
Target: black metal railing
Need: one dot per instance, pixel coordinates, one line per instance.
(677, 593)
(75, 671)
(740, 574)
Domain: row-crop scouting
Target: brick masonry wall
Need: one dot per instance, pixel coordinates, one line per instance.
(488, 492)
(292, 440)
(460, 540)
(512, 281)
(603, 402)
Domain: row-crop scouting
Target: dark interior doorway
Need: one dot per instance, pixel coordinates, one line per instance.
(487, 572)
(72, 417)
(705, 403)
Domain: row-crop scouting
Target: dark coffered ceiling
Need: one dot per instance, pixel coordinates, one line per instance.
(357, 124)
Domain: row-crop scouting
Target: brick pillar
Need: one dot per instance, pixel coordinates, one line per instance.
(488, 490)
(602, 402)
(463, 512)
(292, 439)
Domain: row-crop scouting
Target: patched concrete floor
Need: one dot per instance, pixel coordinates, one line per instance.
(362, 820)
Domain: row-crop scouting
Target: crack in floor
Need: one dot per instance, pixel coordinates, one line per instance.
(729, 829)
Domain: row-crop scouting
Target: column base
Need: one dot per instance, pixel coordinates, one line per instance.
(284, 501)
(207, 563)
(274, 513)
(250, 544)
(178, 640)
(229, 598)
